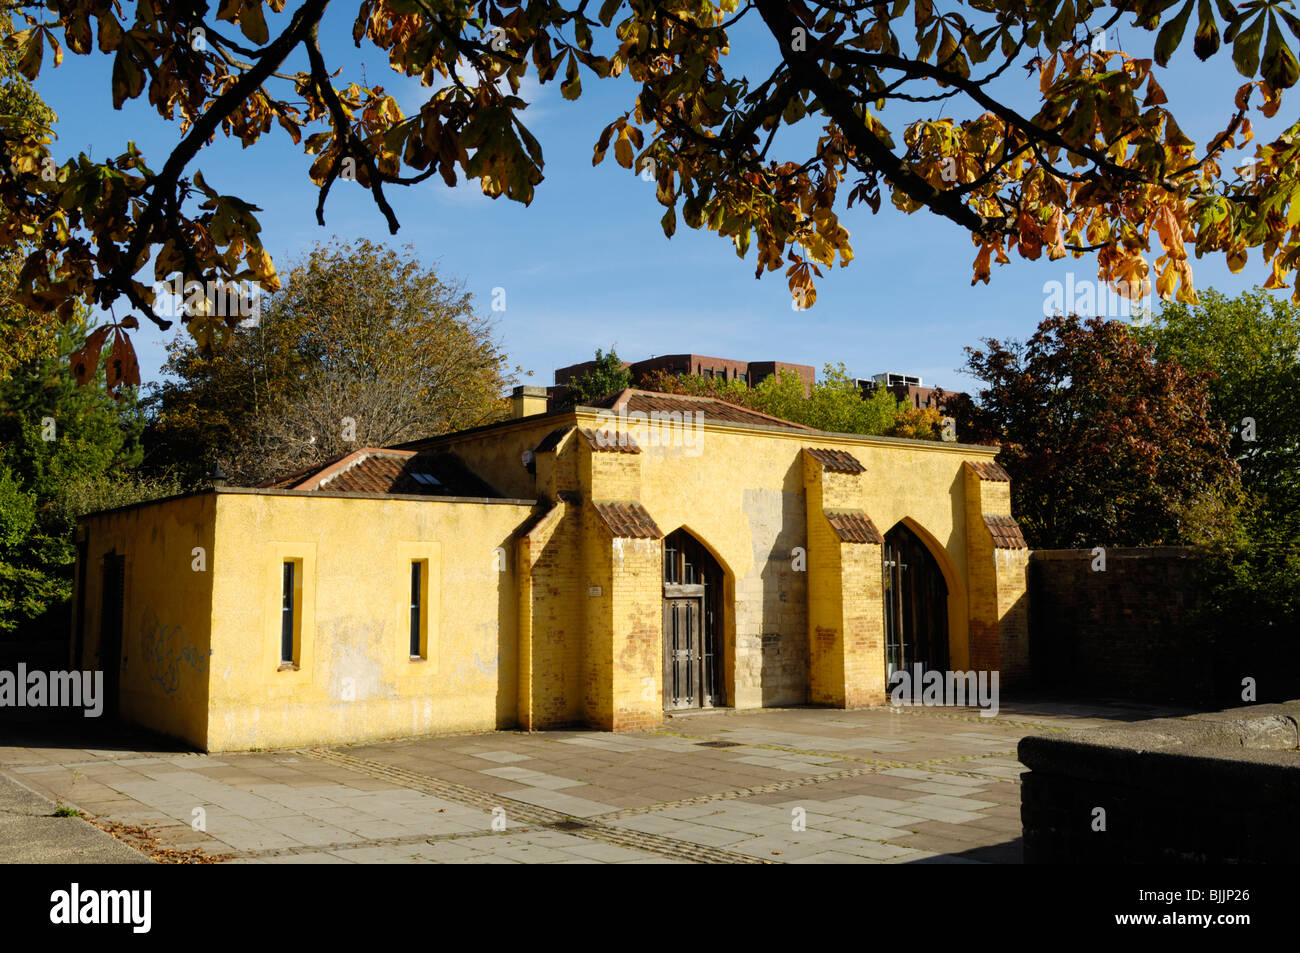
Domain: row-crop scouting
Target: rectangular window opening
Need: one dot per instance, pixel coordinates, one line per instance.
(419, 613)
(290, 612)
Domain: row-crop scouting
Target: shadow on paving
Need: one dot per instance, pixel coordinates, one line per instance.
(1026, 705)
(72, 730)
(1007, 852)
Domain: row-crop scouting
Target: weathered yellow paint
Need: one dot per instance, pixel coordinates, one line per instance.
(167, 597)
(541, 614)
(356, 678)
(202, 650)
(729, 490)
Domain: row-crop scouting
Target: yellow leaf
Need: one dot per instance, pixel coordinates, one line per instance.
(623, 150)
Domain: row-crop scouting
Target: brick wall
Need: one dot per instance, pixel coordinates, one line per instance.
(1212, 788)
(1123, 632)
(999, 619)
(551, 621)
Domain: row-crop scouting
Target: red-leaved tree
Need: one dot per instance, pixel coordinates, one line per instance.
(1105, 445)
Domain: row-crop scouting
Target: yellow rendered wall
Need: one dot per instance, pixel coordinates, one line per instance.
(167, 604)
(355, 679)
(497, 455)
(741, 493)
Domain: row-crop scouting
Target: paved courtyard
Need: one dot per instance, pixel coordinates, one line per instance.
(801, 786)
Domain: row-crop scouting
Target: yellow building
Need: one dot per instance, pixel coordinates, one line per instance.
(594, 566)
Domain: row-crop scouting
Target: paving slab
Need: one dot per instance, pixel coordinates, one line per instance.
(803, 785)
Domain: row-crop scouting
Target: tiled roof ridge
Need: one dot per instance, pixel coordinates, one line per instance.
(627, 519)
(853, 526)
(989, 470)
(1005, 531)
(836, 461)
(621, 442)
(343, 465)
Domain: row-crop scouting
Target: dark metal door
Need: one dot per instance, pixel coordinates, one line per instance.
(916, 605)
(683, 665)
(692, 625)
(110, 628)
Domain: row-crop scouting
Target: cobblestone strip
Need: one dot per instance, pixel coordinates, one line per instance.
(347, 845)
(530, 814)
(938, 766)
(927, 711)
(447, 790)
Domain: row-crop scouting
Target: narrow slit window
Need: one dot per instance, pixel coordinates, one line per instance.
(417, 608)
(289, 612)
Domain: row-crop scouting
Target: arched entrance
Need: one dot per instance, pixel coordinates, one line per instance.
(692, 624)
(916, 605)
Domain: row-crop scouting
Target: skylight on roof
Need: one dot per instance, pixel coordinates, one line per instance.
(428, 479)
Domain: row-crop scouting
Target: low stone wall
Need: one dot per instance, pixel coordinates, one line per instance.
(1220, 787)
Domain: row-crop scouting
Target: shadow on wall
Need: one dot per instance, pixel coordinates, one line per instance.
(508, 638)
(777, 525)
(784, 616)
(1126, 627)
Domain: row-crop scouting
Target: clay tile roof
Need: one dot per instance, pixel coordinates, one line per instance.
(1006, 532)
(609, 441)
(988, 470)
(441, 474)
(377, 470)
(627, 520)
(552, 440)
(837, 461)
(854, 526)
(712, 409)
(373, 473)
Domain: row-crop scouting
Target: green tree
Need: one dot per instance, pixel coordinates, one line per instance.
(834, 403)
(731, 389)
(1248, 535)
(608, 376)
(1097, 165)
(1105, 445)
(363, 346)
(65, 450)
(1250, 348)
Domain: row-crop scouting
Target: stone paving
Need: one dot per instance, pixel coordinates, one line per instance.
(802, 786)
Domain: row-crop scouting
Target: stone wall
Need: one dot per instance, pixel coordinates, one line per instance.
(1213, 788)
(771, 642)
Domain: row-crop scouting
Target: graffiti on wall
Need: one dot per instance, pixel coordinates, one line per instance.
(167, 655)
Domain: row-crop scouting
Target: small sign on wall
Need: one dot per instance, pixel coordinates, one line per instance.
(595, 592)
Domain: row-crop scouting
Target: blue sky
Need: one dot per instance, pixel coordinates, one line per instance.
(586, 265)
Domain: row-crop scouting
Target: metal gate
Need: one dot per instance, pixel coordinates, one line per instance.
(692, 642)
(916, 605)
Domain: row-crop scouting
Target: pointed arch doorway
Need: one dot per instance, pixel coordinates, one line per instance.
(692, 632)
(916, 604)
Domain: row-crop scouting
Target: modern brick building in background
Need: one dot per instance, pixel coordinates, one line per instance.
(751, 372)
(904, 387)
